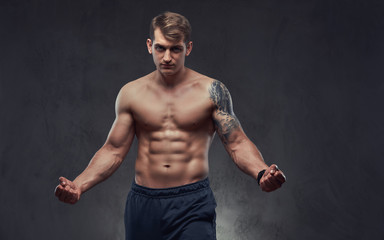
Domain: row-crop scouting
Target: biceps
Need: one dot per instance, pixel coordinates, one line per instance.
(226, 125)
(122, 132)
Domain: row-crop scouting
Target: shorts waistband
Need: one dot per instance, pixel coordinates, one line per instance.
(170, 192)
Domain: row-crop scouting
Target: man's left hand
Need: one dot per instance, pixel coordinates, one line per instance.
(272, 179)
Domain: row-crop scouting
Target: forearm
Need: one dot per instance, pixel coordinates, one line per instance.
(103, 164)
(246, 156)
(243, 152)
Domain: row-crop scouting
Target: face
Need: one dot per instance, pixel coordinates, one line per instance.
(169, 57)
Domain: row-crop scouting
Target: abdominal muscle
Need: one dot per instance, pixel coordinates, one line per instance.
(171, 158)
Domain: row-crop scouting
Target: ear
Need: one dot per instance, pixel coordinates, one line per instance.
(189, 48)
(149, 45)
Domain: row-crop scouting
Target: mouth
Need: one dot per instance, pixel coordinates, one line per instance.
(167, 66)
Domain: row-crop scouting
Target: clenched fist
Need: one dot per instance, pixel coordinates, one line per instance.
(67, 191)
(272, 179)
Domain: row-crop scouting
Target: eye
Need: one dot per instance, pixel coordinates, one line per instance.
(176, 49)
(159, 48)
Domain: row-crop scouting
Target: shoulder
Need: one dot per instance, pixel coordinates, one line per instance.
(216, 90)
(131, 90)
(220, 96)
(206, 82)
(134, 88)
(219, 93)
(135, 85)
(217, 87)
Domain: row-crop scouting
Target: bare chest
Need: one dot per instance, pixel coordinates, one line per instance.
(187, 111)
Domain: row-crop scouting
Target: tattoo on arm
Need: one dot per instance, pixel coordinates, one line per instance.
(225, 119)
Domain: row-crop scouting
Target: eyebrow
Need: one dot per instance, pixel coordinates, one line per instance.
(174, 46)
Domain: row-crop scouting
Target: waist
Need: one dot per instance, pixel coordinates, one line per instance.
(172, 191)
(160, 172)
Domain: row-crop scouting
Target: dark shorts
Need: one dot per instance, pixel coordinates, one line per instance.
(178, 213)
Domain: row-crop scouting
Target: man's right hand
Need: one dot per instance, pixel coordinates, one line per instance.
(67, 191)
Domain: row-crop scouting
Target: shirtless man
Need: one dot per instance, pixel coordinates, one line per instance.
(174, 113)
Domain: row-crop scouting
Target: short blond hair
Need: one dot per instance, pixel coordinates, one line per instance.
(173, 26)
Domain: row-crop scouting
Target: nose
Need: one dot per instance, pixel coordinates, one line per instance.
(167, 56)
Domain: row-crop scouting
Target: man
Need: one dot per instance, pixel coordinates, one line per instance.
(174, 113)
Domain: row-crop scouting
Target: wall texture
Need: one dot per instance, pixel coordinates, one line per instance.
(306, 77)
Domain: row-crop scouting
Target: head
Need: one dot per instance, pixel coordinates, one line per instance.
(173, 26)
(169, 42)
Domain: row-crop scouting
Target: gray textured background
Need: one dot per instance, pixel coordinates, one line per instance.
(306, 78)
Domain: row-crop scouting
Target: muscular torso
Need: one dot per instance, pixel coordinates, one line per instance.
(174, 129)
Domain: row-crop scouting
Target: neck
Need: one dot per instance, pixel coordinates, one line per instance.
(170, 81)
